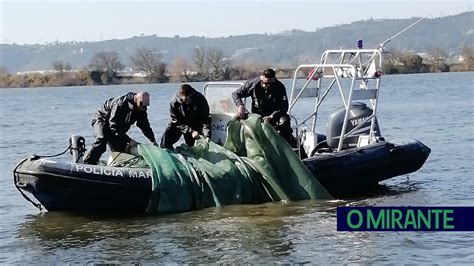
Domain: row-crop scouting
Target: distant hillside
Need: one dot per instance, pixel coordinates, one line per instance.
(284, 49)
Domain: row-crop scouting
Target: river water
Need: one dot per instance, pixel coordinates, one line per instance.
(437, 109)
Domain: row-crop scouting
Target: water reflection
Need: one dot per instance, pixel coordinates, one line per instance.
(283, 232)
(398, 188)
(380, 190)
(211, 235)
(249, 233)
(64, 230)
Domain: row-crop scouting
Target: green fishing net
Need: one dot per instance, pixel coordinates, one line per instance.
(255, 165)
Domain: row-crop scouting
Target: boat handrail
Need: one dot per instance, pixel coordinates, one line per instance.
(353, 64)
(220, 83)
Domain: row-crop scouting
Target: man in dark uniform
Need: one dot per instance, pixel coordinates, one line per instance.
(112, 121)
(269, 100)
(190, 117)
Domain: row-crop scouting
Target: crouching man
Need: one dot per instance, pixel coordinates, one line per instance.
(112, 121)
(190, 117)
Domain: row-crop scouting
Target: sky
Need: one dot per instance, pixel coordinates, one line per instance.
(40, 22)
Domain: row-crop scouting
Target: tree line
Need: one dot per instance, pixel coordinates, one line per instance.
(207, 64)
(397, 62)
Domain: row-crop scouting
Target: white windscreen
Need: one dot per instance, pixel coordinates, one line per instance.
(219, 98)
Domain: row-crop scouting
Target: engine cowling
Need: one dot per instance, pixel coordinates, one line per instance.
(357, 114)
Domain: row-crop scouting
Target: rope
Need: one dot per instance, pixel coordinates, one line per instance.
(16, 177)
(127, 162)
(55, 155)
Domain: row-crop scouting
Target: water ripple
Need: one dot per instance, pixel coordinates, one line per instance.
(283, 233)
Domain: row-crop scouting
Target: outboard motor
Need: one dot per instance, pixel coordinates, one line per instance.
(357, 114)
(78, 147)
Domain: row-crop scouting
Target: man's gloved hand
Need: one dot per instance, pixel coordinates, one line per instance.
(268, 119)
(131, 147)
(241, 111)
(132, 143)
(195, 134)
(207, 139)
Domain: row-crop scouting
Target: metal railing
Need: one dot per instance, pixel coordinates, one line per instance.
(355, 65)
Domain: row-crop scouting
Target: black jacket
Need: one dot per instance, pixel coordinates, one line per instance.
(193, 116)
(119, 114)
(265, 102)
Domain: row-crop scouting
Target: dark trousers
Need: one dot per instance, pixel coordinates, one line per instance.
(104, 136)
(283, 127)
(172, 135)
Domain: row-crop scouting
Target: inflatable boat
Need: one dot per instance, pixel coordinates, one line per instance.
(68, 186)
(350, 157)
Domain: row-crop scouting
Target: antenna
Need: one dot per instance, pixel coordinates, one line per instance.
(402, 31)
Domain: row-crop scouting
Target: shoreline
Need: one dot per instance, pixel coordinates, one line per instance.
(140, 81)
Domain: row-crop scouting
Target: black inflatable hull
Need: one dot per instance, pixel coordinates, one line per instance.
(354, 170)
(63, 186)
